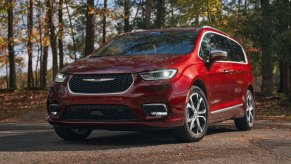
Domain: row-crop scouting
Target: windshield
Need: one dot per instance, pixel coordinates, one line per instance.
(150, 43)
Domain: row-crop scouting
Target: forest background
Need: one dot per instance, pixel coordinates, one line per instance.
(40, 37)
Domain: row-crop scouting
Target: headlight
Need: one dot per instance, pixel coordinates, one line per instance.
(60, 77)
(158, 75)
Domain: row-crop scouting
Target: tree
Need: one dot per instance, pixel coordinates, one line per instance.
(39, 9)
(12, 71)
(43, 65)
(72, 31)
(104, 21)
(266, 44)
(126, 15)
(160, 14)
(148, 13)
(282, 40)
(60, 34)
(289, 48)
(53, 40)
(90, 24)
(30, 80)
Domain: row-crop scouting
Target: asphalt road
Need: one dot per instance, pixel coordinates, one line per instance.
(35, 142)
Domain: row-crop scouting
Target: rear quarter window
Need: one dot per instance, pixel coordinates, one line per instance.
(238, 54)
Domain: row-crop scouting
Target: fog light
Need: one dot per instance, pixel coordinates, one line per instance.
(155, 109)
(54, 109)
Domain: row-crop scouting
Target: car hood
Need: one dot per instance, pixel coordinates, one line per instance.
(123, 64)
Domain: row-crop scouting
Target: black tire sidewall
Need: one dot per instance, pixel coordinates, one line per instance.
(68, 134)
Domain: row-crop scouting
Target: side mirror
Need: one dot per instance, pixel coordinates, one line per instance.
(216, 55)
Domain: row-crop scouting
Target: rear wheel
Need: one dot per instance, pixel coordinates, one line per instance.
(196, 117)
(247, 122)
(72, 134)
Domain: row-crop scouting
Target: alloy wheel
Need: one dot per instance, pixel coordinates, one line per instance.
(196, 114)
(250, 109)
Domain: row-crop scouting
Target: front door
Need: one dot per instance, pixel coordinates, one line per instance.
(218, 77)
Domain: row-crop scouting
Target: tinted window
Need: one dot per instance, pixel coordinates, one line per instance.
(150, 43)
(207, 44)
(214, 42)
(238, 54)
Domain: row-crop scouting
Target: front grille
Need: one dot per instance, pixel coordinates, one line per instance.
(98, 84)
(99, 113)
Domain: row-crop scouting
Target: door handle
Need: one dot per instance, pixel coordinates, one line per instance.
(226, 72)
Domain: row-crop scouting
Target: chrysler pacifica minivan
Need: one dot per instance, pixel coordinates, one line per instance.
(178, 79)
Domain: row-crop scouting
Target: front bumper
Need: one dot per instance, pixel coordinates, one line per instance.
(167, 92)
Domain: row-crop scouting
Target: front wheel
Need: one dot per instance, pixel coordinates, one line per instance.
(247, 122)
(196, 117)
(72, 134)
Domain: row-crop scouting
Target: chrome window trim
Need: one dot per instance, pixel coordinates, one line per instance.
(226, 109)
(95, 94)
(199, 48)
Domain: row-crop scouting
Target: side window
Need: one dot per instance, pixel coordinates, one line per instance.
(213, 41)
(238, 52)
(205, 46)
(224, 45)
(208, 44)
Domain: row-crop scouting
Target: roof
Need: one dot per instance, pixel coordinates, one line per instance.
(178, 29)
(164, 29)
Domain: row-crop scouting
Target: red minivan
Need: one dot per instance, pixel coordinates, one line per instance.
(180, 79)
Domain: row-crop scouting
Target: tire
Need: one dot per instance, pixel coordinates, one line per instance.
(247, 122)
(190, 131)
(72, 134)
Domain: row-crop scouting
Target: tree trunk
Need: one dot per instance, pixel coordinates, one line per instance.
(12, 71)
(289, 82)
(36, 66)
(287, 79)
(43, 69)
(283, 45)
(40, 31)
(43, 83)
(283, 77)
(126, 15)
(30, 80)
(53, 38)
(72, 31)
(135, 24)
(289, 50)
(90, 31)
(7, 76)
(104, 21)
(60, 34)
(148, 13)
(160, 14)
(266, 44)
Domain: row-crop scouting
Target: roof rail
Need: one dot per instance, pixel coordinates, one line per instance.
(214, 29)
(137, 30)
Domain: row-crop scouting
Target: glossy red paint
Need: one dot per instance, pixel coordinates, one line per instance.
(224, 83)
